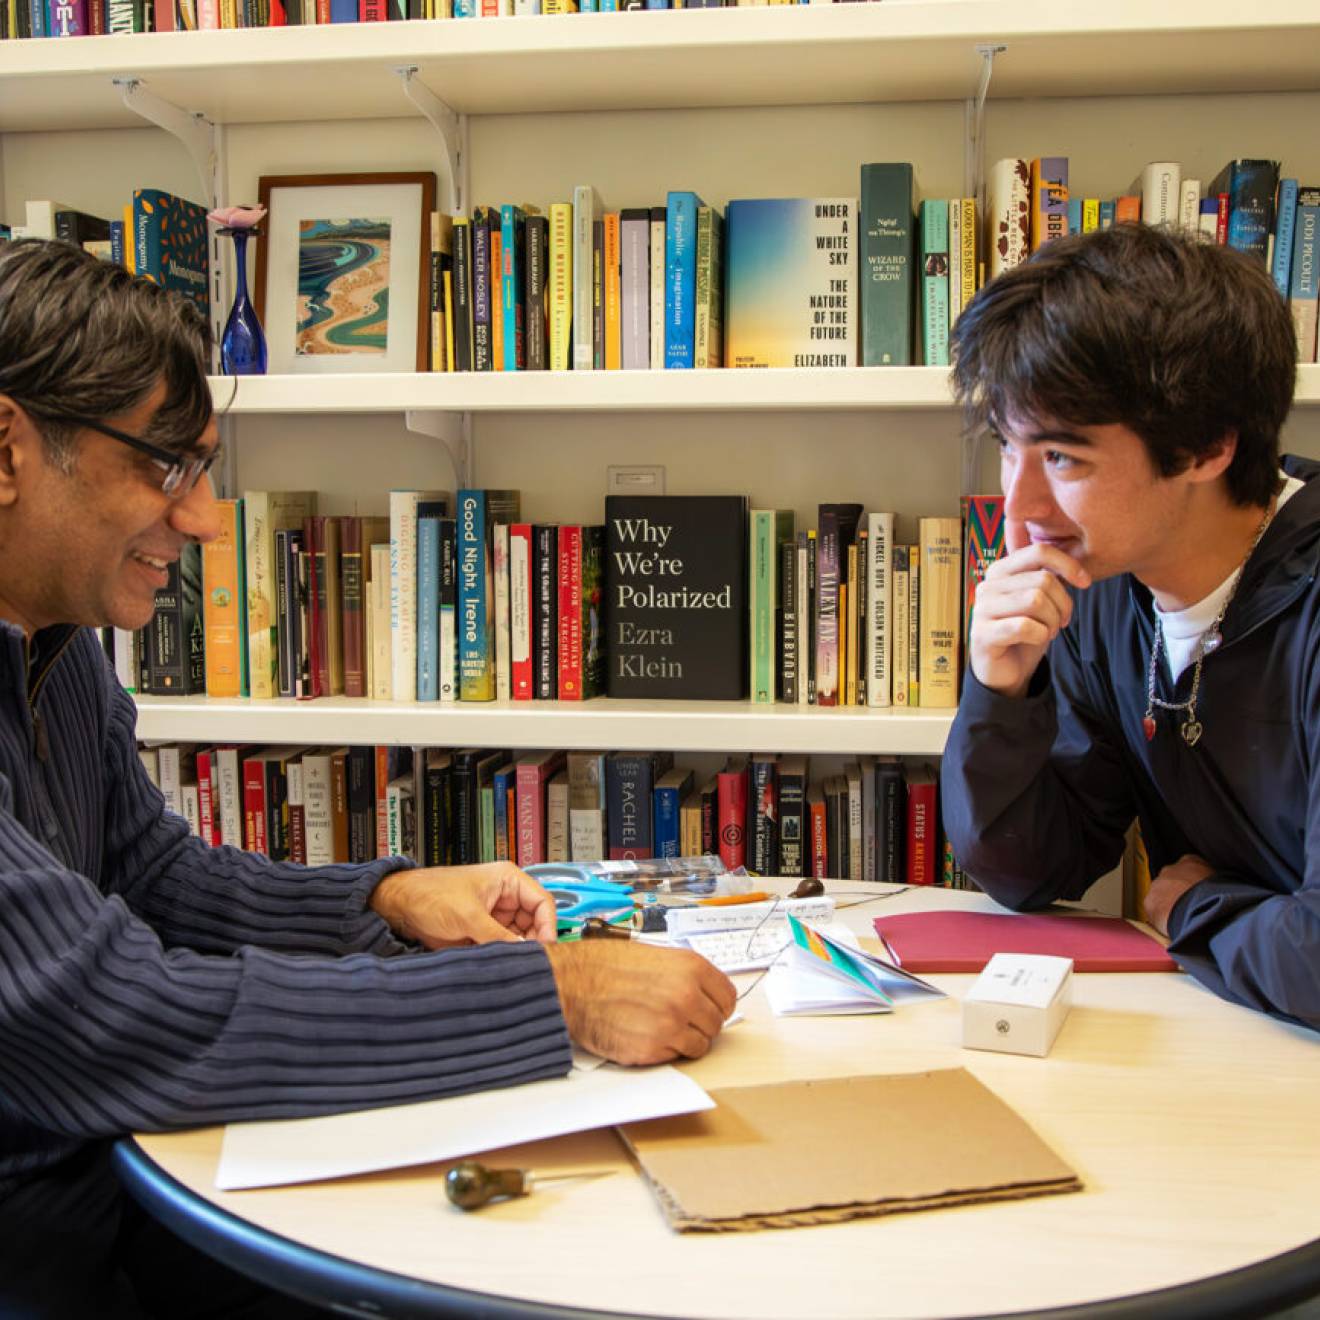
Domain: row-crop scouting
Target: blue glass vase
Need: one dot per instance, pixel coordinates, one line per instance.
(243, 345)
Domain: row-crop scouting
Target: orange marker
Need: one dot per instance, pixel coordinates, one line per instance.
(728, 900)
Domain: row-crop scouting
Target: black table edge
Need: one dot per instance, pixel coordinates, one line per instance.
(351, 1288)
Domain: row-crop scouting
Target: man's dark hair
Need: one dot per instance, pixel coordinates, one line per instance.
(82, 337)
(1181, 341)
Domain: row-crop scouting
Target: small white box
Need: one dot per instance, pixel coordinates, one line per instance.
(1018, 1003)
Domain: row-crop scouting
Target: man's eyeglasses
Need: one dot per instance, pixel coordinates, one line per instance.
(180, 472)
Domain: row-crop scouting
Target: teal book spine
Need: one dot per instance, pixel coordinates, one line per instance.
(887, 261)
(513, 292)
(170, 243)
(935, 282)
(681, 278)
(428, 608)
(1284, 223)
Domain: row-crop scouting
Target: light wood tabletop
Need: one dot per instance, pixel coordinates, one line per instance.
(1193, 1123)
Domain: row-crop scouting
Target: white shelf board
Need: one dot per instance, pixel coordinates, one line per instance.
(899, 50)
(683, 726)
(833, 389)
(847, 389)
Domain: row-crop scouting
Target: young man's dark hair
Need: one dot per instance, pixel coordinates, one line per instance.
(1177, 339)
(81, 337)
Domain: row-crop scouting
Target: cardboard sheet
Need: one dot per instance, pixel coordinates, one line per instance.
(815, 1152)
(965, 941)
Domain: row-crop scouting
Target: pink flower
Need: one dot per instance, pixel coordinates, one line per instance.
(237, 217)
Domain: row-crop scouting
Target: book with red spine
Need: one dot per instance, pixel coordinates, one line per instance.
(581, 597)
(922, 827)
(254, 806)
(817, 833)
(522, 670)
(206, 798)
(533, 771)
(732, 791)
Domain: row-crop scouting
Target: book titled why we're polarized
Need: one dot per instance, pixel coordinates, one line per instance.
(676, 593)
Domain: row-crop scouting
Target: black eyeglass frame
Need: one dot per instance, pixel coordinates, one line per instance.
(182, 471)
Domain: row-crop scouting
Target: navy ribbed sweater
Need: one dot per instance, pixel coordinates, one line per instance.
(148, 981)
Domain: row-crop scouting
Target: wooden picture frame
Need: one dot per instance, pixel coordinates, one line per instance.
(329, 245)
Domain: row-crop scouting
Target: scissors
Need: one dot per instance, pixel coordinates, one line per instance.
(577, 894)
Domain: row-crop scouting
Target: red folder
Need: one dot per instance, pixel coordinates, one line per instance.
(964, 941)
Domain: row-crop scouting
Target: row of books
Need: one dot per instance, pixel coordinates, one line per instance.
(765, 282)
(158, 235)
(1247, 206)
(875, 820)
(683, 597)
(77, 18)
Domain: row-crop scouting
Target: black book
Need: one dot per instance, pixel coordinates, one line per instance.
(537, 267)
(483, 347)
(836, 827)
(437, 811)
(792, 816)
(676, 596)
(890, 821)
(176, 664)
(360, 772)
(77, 227)
(762, 810)
(545, 612)
(465, 804)
(630, 779)
(787, 614)
(462, 294)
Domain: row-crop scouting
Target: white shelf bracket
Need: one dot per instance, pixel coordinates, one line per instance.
(205, 144)
(195, 131)
(974, 125)
(453, 430)
(450, 128)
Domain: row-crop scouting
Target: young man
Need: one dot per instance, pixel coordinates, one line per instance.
(147, 981)
(1147, 648)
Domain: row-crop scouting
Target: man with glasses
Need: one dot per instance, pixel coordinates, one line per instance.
(146, 980)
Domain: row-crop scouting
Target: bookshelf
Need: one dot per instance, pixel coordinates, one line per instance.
(773, 101)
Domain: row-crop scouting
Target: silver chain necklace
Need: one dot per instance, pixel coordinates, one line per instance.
(1209, 641)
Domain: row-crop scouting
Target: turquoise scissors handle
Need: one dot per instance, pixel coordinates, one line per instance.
(576, 899)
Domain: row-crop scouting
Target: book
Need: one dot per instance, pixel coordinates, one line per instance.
(503, 657)
(1250, 186)
(1159, 185)
(170, 243)
(983, 543)
(941, 610)
(676, 603)
(357, 537)
(681, 278)
(763, 812)
(630, 779)
(483, 273)
(886, 264)
(586, 208)
(1008, 215)
(176, 663)
(534, 770)
(666, 801)
(922, 826)
(586, 805)
(635, 288)
(837, 526)
(934, 224)
(559, 291)
(731, 797)
(708, 319)
(513, 285)
(769, 531)
(613, 291)
(429, 517)
(1304, 276)
(890, 788)
(536, 282)
(659, 224)
(791, 282)
(224, 604)
(827, 972)
(879, 587)
(545, 611)
(403, 588)
(478, 512)
(792, 779)
(1049, 199)
(901, 632)
(1281, 241)
(264, 513)
(966, 941)
(521, 624)
(582, 643)
(462, 293)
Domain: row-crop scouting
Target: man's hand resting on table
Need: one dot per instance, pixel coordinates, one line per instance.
(1170, 885)
(441, 906)
(638, 1003)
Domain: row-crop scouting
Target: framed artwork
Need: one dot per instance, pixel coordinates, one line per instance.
(343, 271)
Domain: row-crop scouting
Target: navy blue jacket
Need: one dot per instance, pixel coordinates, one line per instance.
(1038, 792)
(148, 981)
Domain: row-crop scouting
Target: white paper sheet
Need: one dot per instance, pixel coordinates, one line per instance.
(308, 1149)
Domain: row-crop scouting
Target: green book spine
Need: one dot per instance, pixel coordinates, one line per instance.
(935, 282)
(887, 261)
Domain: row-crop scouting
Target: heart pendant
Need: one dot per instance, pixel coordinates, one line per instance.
(1191, 732)
(1148, 727)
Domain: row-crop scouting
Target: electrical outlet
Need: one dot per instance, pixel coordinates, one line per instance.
(635, 479)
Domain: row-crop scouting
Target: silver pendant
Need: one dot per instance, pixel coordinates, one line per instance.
(1191, 732)
(1211, 641)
